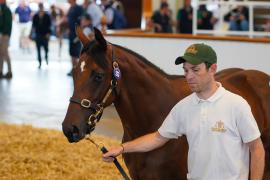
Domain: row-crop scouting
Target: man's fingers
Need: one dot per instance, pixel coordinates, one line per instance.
(111, 154)
(107, 154)
(108, 159)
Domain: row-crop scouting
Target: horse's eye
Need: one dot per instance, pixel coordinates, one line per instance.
(98, 77)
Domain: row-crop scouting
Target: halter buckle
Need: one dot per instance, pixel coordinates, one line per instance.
(86, 103)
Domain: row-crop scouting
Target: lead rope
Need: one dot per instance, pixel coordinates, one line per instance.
(115, 161)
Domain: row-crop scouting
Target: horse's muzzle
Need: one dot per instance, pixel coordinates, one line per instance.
(72, 133)
(76, 133)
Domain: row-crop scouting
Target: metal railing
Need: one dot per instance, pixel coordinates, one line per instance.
(225, 4)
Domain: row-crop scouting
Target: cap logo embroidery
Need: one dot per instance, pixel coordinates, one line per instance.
(219, 127)
(192, 50)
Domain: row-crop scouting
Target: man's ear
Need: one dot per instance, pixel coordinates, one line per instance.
(213, 68)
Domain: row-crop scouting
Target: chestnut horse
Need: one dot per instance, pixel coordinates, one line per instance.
(143, 96)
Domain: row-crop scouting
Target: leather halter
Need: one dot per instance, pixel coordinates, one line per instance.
(96, 107)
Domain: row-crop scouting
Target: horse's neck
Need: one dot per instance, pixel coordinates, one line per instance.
(145, 98)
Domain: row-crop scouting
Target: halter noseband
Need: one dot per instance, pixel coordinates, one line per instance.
(98, 108)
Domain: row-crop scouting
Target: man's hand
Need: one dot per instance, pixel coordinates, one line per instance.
(112, 153)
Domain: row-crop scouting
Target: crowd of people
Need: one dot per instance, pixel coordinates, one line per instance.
(41, 25)
(162, 21)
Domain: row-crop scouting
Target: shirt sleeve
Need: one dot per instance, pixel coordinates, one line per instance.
(246, 123)
(173, 126)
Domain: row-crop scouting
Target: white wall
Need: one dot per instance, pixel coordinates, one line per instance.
(163, 51)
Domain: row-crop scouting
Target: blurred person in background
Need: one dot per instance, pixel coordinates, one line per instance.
(42, 28)
(95, 12)
(118, 5)
(115, 19)
(238, 19)
(267, 25)
(161, 19)
(54, 15)
(206, 20)
(184, 18)
(5, 32)
(61, 29)
(24, 14)
(170, 10)
(106, 7)
(73, 17)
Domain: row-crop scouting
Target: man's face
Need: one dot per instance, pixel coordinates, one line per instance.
(198, 76)
(165, 10)
(104, 2)
(71, 1)
(187, 2)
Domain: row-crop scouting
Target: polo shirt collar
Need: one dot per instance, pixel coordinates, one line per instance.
(218, 93)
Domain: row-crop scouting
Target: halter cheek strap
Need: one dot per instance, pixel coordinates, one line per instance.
(98, 108)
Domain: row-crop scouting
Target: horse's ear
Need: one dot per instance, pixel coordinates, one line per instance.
(82, 37)
(100, 39)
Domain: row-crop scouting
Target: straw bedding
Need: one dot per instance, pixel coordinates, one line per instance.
(32, 153)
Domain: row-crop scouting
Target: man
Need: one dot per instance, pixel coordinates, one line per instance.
(206, 20)
(161, 19)
(42, 27)
(238, 19)
(219, 125)
(115, 18)
(108, 11)
(24, 13)
(95, 13)
(184, 18)
(5, 32)
(74, 13)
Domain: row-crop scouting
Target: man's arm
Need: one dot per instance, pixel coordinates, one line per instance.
(257, 159)
(142, 144)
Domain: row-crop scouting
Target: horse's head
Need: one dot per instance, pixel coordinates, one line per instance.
(95, 82)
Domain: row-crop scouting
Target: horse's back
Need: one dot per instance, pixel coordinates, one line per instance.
(227, 72)
(254, 86)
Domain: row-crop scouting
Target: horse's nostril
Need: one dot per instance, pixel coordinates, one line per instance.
(75, 133)
(75, 130)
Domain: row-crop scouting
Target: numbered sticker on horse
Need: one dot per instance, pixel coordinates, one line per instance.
(117, 73)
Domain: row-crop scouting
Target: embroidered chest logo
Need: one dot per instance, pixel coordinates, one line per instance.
(192, 50)
(219, 127)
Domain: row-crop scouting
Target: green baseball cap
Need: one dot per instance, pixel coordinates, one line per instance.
(197, 54)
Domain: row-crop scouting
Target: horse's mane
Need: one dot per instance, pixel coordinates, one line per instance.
(143, 59)
(95, 50)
